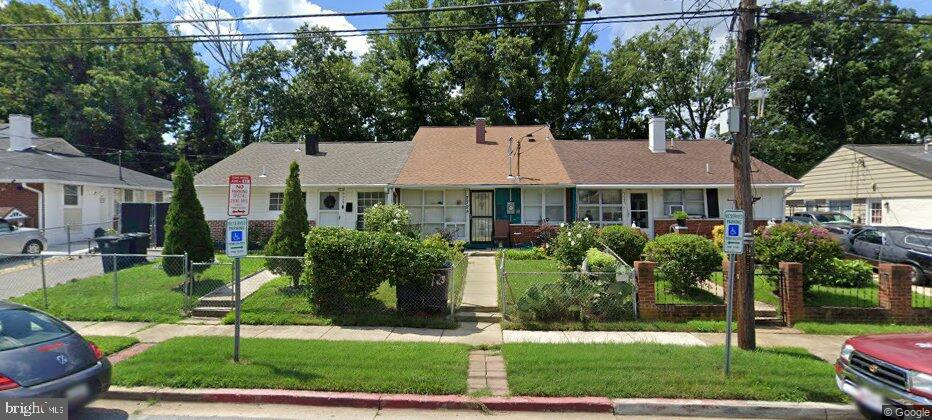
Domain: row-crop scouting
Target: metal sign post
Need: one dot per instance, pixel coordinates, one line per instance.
(733, 245)
(236, 242)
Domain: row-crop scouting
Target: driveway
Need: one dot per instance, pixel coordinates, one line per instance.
(27, 277)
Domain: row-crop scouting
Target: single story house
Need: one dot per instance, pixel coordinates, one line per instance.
(874, 184)
(58, 188)
(496, 184)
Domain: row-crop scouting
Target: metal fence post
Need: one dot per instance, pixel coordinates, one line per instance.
(187, 276)
(45, 290)
(68, 237)
(116, 269)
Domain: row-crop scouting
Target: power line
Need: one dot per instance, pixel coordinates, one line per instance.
(275, 17)
(346, 33)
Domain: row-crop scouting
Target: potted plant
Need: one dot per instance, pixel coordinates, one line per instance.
(680, 217)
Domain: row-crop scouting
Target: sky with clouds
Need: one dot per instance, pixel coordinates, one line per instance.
(606, 32)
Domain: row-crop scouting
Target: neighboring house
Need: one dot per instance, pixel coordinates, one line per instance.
(885, 185)
(56, 186)
(473, 183)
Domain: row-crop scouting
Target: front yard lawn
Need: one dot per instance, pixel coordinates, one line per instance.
(858, 329)
(277, 303)
(110, 344)
(145, 292)
(522, 274)
(688, 326)
(855, 297)
(695, 295)
(347, 366)
(662, 371)
(763, 288)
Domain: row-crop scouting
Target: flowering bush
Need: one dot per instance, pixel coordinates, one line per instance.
(573, 241)
(389, 218)
(791, 242)
(625, 241)
(544, 236)
(718, 236)
(683, 260)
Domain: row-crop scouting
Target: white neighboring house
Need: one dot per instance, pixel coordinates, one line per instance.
(874, 184)
(62, 191)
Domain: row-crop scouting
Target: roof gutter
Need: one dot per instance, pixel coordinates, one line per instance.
(90, 184)
(41, 195)
(647, 186)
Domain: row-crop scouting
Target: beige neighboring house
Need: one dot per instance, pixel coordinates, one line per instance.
(882, 185)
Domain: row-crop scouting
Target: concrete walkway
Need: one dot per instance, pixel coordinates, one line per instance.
(481, 288)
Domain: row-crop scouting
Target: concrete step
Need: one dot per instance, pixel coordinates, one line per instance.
(765, 313)
(481, 253)
(478, 316)
(208, 312)
(478, 308)
(768, 321)
(215, 303)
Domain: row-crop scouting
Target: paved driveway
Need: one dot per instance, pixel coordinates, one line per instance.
(27, 277)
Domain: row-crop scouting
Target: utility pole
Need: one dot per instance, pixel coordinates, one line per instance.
(741, 163)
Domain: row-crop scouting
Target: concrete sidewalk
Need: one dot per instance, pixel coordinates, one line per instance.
(481, 288)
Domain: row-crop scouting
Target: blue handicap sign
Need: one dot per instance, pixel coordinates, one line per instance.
(733, 230)
(236, 236)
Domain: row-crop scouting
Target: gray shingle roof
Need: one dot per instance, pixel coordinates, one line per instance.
(40, 165)
(338, 163)
(911, 157)
(48, 144)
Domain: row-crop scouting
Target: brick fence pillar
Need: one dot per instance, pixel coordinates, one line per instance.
(647, 298)
(896, 293)
(791, 292)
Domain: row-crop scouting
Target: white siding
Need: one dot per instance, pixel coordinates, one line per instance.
(842, 176)
(909, 212)
(770, 205)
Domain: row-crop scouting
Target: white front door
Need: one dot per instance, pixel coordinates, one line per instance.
(329, 208)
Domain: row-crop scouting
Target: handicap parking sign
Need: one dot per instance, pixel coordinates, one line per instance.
(237, 231)
(236, 236)
(733, 242)
(734, 230)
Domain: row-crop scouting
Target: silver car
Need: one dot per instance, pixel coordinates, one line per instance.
(20, 240)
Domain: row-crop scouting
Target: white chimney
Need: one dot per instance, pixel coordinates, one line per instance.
(20, 132)
(657, 135)
(480, 130)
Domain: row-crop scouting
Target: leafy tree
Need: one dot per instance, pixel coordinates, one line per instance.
(186, 229)
(835, 82)
(288, 237)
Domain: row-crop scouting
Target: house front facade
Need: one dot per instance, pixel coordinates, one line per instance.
(62, 191)
(880, 185)
(495, 185)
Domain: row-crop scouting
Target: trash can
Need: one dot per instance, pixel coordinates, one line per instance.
(431, 298)
(117, 244)
(139, 244)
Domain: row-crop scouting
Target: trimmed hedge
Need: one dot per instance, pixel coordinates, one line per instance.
(600, 262)
(625, 241)
(683, 260)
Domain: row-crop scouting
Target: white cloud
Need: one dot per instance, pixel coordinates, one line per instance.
(358, 44)
(199, 9)
(632, 7)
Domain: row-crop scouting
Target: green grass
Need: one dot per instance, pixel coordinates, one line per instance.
(110, 344)
(858, 329)
(519, 281)
(278, 303)
(346, 366)
(689, 326)
(145, 293)
(763, 288)
(695, 295)
(819, 295)
(662, 371)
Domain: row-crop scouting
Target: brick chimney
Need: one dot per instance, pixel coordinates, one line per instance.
(480, 130)
(20, 132)
(657, 135)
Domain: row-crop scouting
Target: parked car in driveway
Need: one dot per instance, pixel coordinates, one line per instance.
(836, 223)
(897, 245)
(40, 356)
(20, 240)
(892, 370)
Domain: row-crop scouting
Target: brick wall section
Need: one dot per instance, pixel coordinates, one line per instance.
(522, 234)
(13, 195)
(683, 313)
(794, 309)
(259, 228)
(695, 226)
(646, 293)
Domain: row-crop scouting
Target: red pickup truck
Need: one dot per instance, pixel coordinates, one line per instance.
(888, 375)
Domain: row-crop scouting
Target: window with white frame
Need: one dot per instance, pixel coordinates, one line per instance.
(601, 207)
(277, 200)
(365, 200)
(875, 212)
(435, 210)
(840, 206)
(692, 201)
(543, 205)
(72, 194)
(128, 196)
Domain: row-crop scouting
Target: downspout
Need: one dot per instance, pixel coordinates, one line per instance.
(41, 203)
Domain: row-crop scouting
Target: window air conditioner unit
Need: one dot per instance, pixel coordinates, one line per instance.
(673, 208)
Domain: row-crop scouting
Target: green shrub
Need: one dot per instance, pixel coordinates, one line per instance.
(345, 266)
(791, 242)
(683, 260)
(577, 297)
(847, 273)
(573, 241)
(718, 236)
(534, 253)
(290, 229)
(389, 218)
(186, 229)
(680, 215)
(544, 236)
(600, 262)
(625, 241)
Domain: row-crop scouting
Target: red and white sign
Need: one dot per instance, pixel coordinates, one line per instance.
(238, 203)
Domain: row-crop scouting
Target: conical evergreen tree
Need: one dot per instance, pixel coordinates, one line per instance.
(186, 229)
(290, 230)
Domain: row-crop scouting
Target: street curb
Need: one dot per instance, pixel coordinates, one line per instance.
(362, 400)
(732, 408)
